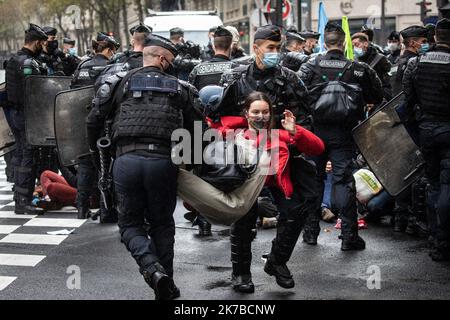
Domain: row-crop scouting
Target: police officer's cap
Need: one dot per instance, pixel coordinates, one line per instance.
(158, 41)
(213, 29)
(102, 36)
(334, 27)
(293, 35)
(309, 34)
(141, 28)
(443, 30)
(222, 32)
(50, 31)
(414, 32)
(394, 36)
(35, 32)
(69, 41)
(292, 28)
(176, 32)
(268, 32)
(443, 24)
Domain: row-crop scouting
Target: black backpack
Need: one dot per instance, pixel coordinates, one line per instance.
(336, 102)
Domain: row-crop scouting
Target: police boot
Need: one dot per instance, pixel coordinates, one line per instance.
(352, 241)
(163, 285)
(281, 272)
(400, 221)
(310, 237)
(83, 212)
(241, 259)
(441, 251)
(312, 225)
(23, 206)
(204, 227)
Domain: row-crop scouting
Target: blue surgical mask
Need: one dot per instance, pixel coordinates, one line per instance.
(424, 47)
(316, 50)
(359, 52)
(271, 59)
(72, 51)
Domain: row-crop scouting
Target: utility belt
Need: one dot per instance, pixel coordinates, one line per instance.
(144, 148)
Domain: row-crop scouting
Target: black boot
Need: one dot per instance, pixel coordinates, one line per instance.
(84, 212)
(281, 272)
(163, 285)
(108, 216)
(400, 221)
(441, 252)
(352, 242)
(310, 237)
(23, 206)
(204, 227)
(241, 258)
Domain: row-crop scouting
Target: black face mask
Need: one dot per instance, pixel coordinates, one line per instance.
(52, 46)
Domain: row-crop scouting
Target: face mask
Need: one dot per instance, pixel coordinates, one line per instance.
(72, 51)
(358, 52)
(271, 59)
(260, 122)
(316, 50)
(52, 46)
(393, 47)
(424, 47)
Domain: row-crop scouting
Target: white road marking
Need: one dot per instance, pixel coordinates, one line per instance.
(6, 229)
(11, 214)
(52, 222)
(6, 281)
(20, 260)
(33, 239)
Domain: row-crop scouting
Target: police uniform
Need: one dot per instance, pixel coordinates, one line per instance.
(293, 60)
(208, 50)
(86, 75)
(188, 57)
(286, 91)
(413, 31)
(394, 56)
(426, 84)
(21, 65)
(146, 105)
(309, 34)
(339, 145)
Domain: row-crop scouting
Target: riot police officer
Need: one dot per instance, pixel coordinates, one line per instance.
(208, 50)
(147, 105)
(134, 57)
(86, 74)
(292, 56)
(210, 73)
(339, 145)
(426, 84)
(71, 60)
(21, 65)
(311, 42)
(286, 91)
(394, 47)
(189, 54)
(416, 42)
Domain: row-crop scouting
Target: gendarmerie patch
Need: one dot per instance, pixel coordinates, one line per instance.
(436, 58)
(212, 68)
(332, 64)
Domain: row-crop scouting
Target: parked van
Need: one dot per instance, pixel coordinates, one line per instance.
(196, 24)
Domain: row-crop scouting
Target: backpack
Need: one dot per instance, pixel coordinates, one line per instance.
(336, 102)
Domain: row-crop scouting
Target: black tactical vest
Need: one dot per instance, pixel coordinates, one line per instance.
(150, 110)
(432, 83)
(88, 71)
(210, 73)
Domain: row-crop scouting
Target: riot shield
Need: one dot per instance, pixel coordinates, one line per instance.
(40, 92)
(389, 150)
(6, 135)
(71, 109)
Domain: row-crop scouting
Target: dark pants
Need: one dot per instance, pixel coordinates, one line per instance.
(86, 181)
(340, 150)
(23, 159)
(435, 146)
(293, 214)
(145, 191)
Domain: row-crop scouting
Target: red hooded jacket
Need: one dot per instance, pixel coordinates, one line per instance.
(305, 141)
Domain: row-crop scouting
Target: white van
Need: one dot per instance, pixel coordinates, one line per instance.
(196, 24)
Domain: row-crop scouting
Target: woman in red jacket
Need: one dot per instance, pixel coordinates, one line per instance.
(258, 121)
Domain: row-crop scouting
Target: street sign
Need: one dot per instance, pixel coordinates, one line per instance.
(287, 8)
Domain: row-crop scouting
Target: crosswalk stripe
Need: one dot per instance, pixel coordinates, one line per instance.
(6, 196)
(54, 222)
(33, 239)
(20, 260)
(6, 229)
(6, 281)
(11, 214)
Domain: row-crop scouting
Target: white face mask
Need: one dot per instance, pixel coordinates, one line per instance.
(393, 46)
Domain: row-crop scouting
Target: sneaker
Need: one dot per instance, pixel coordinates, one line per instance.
(362, 224)
(338, 224)
(328, 215)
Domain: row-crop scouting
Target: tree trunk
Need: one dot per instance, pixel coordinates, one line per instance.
(125, 22)
(140, 10)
